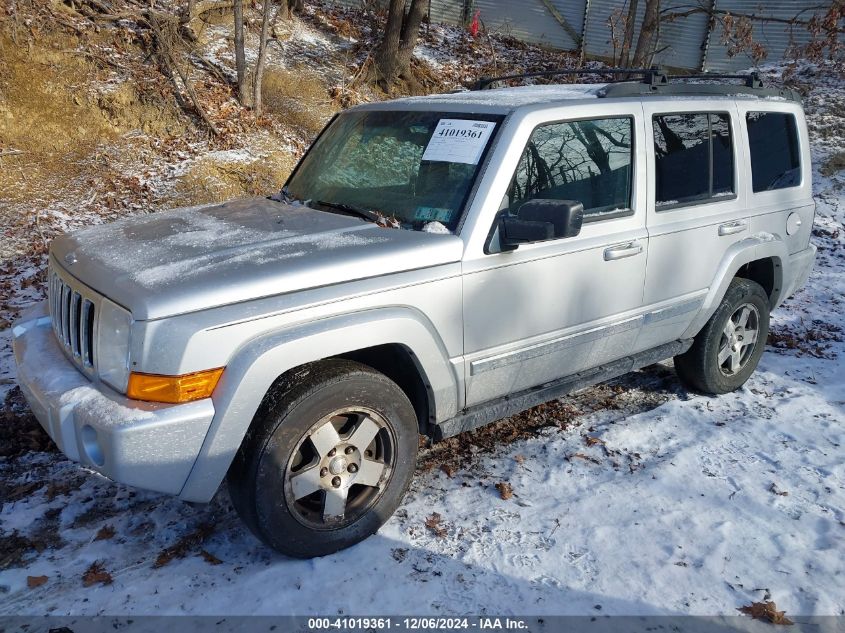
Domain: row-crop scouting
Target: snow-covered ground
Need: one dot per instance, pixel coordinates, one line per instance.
(633, 498)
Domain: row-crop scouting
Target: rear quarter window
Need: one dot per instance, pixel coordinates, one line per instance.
(775, 152)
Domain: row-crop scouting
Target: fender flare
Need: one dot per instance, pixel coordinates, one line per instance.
(257, 364)
(758, 246)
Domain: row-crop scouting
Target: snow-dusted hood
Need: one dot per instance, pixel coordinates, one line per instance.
(191, 259)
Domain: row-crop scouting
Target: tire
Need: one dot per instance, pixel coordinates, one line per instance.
(327, 459)
(705, 366)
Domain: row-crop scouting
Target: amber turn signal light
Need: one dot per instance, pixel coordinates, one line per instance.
(173, 389)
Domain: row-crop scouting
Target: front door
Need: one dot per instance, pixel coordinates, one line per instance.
(553, 308)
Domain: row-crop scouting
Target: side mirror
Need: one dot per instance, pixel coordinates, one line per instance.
(540, 220)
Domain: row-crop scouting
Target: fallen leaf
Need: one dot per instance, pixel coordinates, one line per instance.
(96, 573)
(587, 458)
(210, 558)
(184, 546)
(105, 533)
(35, 581)
(505, 490)
(449, 470)
(766, 611)
(592, 441)
(519, 459)
(433, 524)
(399, 554)
(24, 490)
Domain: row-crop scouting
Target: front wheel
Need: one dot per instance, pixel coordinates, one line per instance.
(327, 462)
(727, 349)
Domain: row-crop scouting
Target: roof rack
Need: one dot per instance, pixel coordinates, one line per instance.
(647, 75)
(654, 80)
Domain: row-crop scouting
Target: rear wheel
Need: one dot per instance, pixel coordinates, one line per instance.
(727, 350)
(328, 462)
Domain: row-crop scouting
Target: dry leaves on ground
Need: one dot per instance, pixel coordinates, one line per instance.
(184, 546)
(35, 581)
(449, 470)
(105, 533)
(766, 611)
(587, 458)
(210, 558)
(505, 490)
(777, 491)
(96, 574)
(433, 524)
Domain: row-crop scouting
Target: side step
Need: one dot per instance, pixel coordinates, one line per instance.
(488, 412)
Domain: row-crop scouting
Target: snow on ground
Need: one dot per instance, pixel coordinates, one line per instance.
(632, 498)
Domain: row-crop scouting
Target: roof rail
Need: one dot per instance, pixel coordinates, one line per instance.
(654, 80)
(652, 76)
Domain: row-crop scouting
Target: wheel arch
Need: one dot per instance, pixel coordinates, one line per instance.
(760, 258)
(381, 338)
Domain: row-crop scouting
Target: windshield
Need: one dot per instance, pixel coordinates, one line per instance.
(415, 167)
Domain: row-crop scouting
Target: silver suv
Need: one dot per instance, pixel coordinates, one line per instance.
(433, 264)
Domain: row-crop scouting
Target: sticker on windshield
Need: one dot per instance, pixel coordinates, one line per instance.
(433, 214)
(458, 141)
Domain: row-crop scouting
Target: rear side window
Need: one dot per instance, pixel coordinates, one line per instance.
(693, 155)
(589, 161)
(775, 153)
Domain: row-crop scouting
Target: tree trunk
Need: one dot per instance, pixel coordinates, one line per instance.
(262, 56)
(240, 56)
(294, 6)
(392, 58)
(625, 54)
(646, 44)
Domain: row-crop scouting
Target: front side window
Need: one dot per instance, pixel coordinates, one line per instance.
(693, 157)
(588, 161)
(413, 167)
(775, 153)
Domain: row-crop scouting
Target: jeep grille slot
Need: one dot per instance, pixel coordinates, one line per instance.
(73, 314)
(88, 333)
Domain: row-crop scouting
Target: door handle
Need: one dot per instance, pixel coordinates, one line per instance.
(622, 250)
(729, 228)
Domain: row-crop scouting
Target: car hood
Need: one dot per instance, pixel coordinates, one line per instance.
(172, 262)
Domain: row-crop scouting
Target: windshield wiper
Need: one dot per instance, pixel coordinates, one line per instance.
(366, 214)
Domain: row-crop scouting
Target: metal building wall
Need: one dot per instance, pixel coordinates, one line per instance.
(681, 42)
(533, 21)
(684, 43)
(777, 38)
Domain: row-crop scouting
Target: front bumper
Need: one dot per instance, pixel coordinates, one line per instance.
(142, 444)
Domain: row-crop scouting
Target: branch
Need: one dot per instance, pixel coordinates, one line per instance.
(173, 69)
(575, 35)
(668, 17)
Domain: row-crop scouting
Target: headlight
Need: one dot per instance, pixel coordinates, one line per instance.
(113, 345)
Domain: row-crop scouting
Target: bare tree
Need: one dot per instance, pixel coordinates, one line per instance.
(240, 56)
(649, 33)
(262, 56)
(628, 40)
(392, 58)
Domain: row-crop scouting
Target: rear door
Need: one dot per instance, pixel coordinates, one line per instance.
(696, 208)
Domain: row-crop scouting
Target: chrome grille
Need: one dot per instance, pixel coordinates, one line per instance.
(73, 311)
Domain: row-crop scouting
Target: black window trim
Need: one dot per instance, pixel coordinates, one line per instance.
(709, 198)
(797, 138)
(621, 213)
